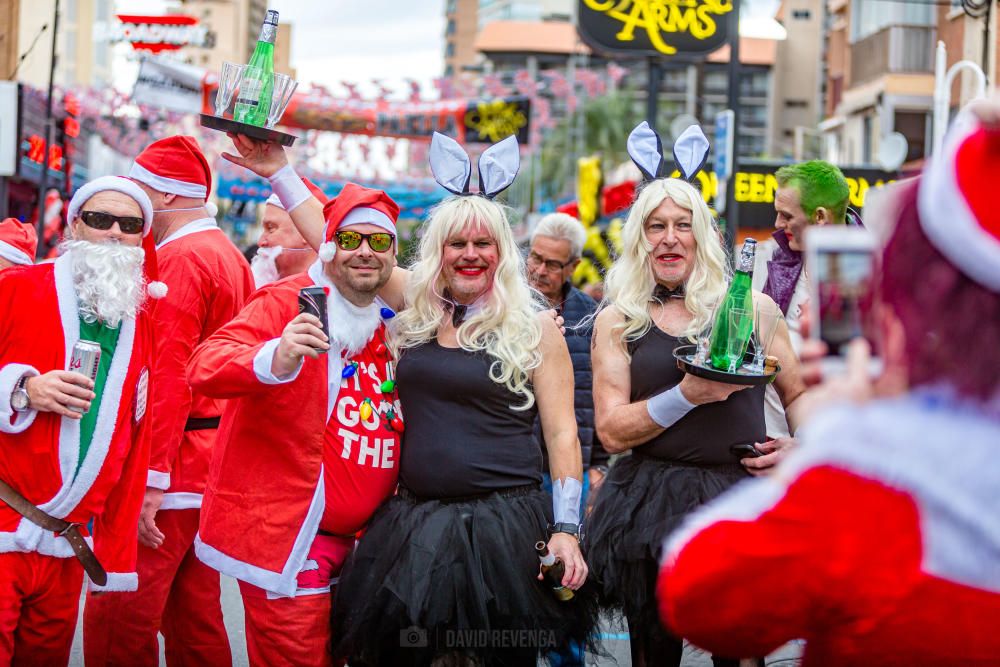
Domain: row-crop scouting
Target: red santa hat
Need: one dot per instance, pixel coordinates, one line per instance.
(356, 205)
(154, 287)
(177, 166)
(957, 200)
(313, 188)
(18, 242)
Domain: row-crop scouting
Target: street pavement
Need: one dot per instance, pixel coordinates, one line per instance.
(614, 638)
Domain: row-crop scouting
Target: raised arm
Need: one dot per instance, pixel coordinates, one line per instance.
(268, 160)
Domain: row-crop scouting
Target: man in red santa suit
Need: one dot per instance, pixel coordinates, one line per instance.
(282, 251)
(18, 244)
(878, 541)
(75, 449)
(309, 442)
(178, 595)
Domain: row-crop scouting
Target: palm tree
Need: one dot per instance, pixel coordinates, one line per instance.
(598, 127)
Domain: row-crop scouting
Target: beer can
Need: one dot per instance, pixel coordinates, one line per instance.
(312, 300)
(86, 359)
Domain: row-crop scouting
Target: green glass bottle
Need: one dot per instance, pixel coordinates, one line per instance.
(254, 99)
(740, 296)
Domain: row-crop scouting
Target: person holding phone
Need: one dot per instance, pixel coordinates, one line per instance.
(886, 517)
(679, 428)
(309, 441)
(809, 194)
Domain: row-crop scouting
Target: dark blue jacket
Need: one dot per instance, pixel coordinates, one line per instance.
(575, 307)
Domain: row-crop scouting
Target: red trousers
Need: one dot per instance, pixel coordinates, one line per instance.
(295, 631)
(39, 600)
(178, 595)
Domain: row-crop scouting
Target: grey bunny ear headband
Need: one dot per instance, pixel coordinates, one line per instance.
(646, 149)
(452, 168)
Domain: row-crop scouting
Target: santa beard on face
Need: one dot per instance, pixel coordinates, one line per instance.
(264, 266)
(108, 278)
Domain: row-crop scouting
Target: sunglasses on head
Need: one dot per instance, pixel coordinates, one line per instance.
(378, 241)
(104, 221)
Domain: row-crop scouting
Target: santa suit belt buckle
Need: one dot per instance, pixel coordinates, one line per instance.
(84, 554)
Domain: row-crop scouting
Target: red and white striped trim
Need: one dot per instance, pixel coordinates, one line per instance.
(168, 185)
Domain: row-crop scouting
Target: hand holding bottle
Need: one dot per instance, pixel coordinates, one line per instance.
(566, 548)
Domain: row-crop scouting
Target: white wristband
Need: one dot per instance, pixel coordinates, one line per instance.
(566, 500)
(667, 407)
(289, 187)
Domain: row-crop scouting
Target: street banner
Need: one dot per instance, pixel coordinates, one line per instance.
(169, 85)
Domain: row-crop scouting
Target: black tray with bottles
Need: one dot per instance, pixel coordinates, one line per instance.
(684, 354)
(213, 122)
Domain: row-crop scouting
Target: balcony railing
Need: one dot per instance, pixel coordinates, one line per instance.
(892, 50)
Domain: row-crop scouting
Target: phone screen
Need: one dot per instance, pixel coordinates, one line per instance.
(842, 278)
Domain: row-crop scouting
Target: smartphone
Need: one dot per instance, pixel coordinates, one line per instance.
(839, 267)
(747, 451)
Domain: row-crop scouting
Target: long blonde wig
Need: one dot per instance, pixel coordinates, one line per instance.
(505, 327)
(630, 282)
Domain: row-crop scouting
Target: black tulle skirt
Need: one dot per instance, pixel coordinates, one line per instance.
(436, 580)
(640, 503)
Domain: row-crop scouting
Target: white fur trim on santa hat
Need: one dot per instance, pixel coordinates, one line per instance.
(371, 216)
(156, 289)
(12, 254)
(945, 215)
(212, 209)
(117, 184)
(168, 185)
(327, 251)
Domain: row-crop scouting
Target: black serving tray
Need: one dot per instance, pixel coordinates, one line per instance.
(684, 354)
(254, 132)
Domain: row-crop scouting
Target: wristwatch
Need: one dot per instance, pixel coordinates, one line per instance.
(19, 397)
(570, 528)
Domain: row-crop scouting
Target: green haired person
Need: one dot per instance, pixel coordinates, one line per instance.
(809, 193)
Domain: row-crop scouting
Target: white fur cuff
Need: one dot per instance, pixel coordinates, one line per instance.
(120, 582)
(158, 480)
(10, 420)
(289, 187)
(262, 364)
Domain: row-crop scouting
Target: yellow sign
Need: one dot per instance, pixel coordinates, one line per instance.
(669, 26)
(495, 120)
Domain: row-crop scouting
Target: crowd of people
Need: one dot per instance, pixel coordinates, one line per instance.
(376, 470)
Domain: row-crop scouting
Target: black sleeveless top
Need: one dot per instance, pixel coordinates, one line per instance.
(702, 436)
(462, 438)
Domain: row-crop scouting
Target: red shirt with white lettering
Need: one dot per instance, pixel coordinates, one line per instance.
(361, 456)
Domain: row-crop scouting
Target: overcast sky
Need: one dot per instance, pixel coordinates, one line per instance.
(361, 40)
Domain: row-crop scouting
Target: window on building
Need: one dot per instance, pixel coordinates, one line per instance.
(449, 50)
(675, 80)
(801, 14)
(450, 30)
(751, 145)
(866, 140)
(449, 70)
(450, 7)
(796, 104)
(870, 16)
(913, 126)
(754, 84)
(753, 115)
(716, 82)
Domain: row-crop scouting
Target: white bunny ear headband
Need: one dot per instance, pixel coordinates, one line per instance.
(452, 168)
(646, 150)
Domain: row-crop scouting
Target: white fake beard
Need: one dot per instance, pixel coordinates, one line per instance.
(351, 327)
(108, 278)
(264, 267)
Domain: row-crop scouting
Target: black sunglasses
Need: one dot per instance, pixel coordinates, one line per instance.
(103, 221)
(378, 241)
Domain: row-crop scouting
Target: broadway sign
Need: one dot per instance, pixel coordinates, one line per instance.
(654, 27)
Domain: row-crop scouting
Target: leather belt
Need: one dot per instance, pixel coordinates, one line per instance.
(70, 531)
(202, 423)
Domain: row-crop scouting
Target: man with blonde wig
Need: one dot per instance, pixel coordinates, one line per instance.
(474, 347)
(679, 428)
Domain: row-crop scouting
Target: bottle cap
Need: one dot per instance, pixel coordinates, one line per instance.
(271, 17)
